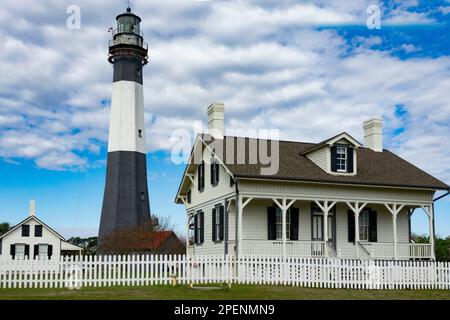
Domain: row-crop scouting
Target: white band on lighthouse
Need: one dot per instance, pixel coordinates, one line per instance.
(127, 125)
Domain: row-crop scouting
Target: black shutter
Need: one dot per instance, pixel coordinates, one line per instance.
(36, 251)
(213, 174)
(350, 168)
(214, 236)
(333, 158)
(203, 176)
(27, 251)
(12, 251)
(294, 223)
(202, 227)
(351, 226)
(372, 226)
(199, 178)
(217, 173)
(195, 229)
(50, 251)
(271, 223)
(221, 222)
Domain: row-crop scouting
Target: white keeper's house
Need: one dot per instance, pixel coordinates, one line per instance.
(336, 198)
(33, 239)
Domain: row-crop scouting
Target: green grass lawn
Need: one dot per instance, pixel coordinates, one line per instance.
(237, 292)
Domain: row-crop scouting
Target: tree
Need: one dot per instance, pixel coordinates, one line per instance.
(4, 227)
(88, 244)
(442, 245)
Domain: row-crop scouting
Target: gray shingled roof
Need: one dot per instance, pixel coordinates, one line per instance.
(373, 168)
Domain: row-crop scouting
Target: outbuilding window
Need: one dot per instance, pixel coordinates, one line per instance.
(25, 230)
(20, 251)
(43, 252)
(38, 231)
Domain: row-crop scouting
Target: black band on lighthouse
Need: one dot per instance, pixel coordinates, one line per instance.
(125, 203)
(128, 68)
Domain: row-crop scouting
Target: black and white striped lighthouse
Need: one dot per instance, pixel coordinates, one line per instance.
(126, 202)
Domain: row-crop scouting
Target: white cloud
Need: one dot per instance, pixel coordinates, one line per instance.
(444, 10)
(264, 59)
(408, 48)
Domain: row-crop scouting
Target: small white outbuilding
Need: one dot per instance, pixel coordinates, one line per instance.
(33, 239)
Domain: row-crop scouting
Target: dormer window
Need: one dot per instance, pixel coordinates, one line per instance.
(341, 159)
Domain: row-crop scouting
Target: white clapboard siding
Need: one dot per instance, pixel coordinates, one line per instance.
(106, 271)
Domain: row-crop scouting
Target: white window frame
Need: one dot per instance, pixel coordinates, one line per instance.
(279, 224)
(341, 159)
(217, 226)
(19, 255)
(317, 225)
(214, 172)
(199, 229)
(364, 226)
(191, 232)
(42, 254)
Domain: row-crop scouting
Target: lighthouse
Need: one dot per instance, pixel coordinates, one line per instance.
(126, 201)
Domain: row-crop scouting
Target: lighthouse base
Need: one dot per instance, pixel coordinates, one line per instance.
(125, 202)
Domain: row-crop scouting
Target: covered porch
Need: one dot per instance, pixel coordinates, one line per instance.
(338, 228)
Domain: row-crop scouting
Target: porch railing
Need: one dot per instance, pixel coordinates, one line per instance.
(380, 250)
(415, 250)
(293, 248)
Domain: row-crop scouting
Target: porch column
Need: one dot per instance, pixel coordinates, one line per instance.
(241, 206)
(430, 212)
(283, 229)
(394, 226)
(394, 210)
(326, 207)
(357, 207)
(284, 206)
(239, 226)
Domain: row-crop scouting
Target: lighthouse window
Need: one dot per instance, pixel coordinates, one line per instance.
(140, 133)
(142, 196)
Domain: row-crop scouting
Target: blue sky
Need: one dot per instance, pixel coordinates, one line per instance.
(275, 64)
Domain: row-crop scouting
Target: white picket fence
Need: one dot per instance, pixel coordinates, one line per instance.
(104, 271)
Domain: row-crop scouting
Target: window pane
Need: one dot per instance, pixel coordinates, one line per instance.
(317, 227)
(43, 249)
(279, 225)
(330, 228)
(364, 226)
(20, 251)
(341, 158)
